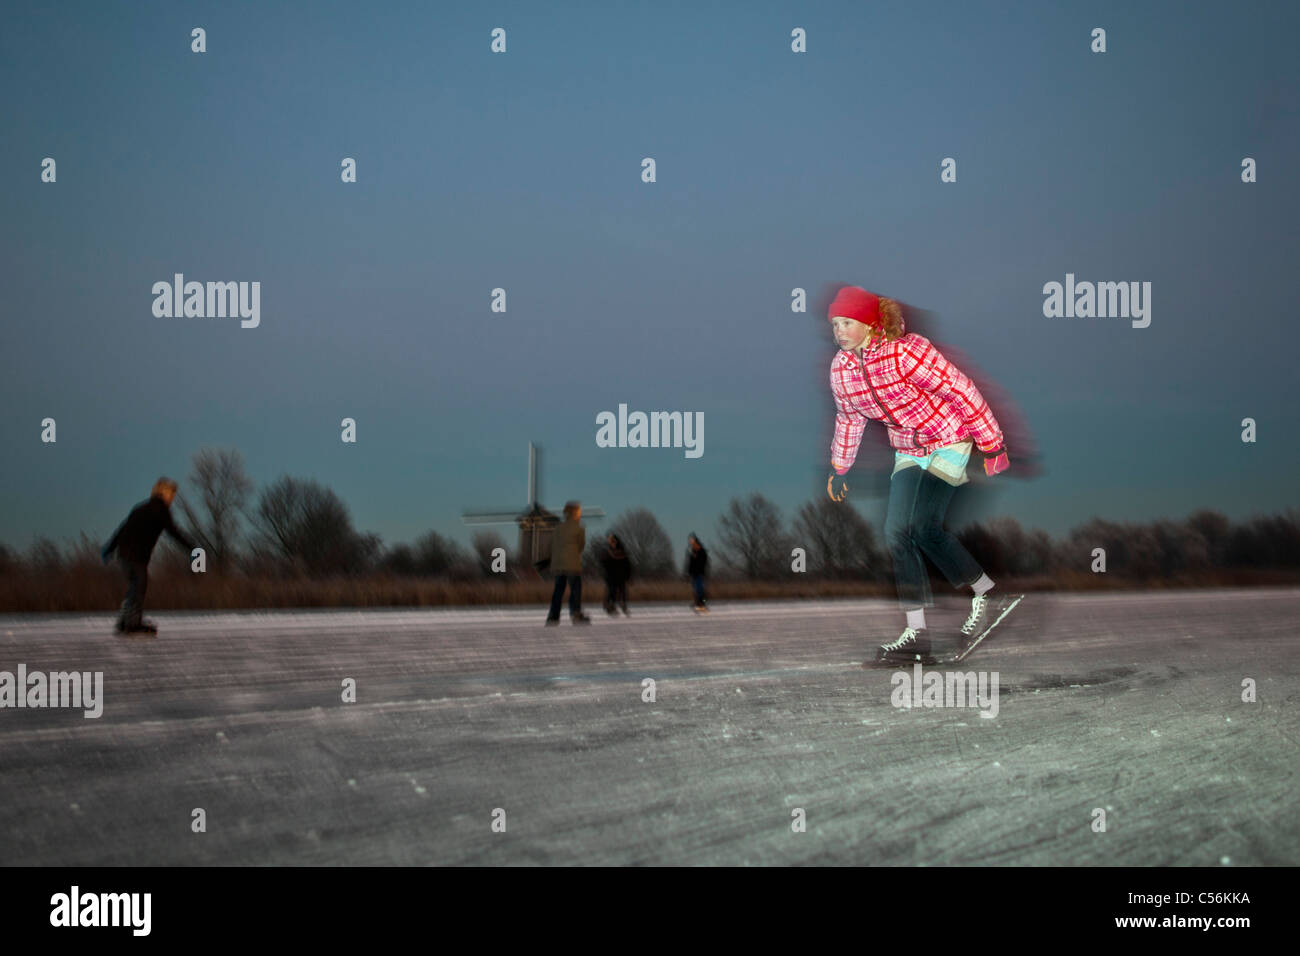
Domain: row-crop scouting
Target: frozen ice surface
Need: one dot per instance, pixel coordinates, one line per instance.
(1129, 702)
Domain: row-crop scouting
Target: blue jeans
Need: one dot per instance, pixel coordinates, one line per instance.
(575, 595)
(914, 525)
(697, 585)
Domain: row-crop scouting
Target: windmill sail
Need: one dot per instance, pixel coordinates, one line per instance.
(535, 522)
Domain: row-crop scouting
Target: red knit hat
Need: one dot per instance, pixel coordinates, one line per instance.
(854, 302)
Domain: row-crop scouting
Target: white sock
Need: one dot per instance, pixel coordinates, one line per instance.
(916, 619)
(983, 585)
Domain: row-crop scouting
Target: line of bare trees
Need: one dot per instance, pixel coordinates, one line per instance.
(839, 542)
(298, 527)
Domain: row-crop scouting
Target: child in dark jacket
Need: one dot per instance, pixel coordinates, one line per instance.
(134, 542)
(697, 565)
(618, 569)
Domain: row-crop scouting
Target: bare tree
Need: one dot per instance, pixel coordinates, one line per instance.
(399, 559)
(1007, 548)
(435, 555)
(752, 537)
(1144, 555)
(309, 527)
(1040, 556)
(647, 544)
(838, 540)
(222, 487)
(594, 553)
(483, 544)
(1131, 549)
(1182, 547)
(1266, 541)
(1216, 530)
(1076, 553)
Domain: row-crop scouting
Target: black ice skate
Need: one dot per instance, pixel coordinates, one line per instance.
(911, 647)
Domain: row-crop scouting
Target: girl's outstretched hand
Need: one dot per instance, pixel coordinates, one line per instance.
(837, 489)
(994, 463)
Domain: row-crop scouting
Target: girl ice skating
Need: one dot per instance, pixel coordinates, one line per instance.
(933, 414)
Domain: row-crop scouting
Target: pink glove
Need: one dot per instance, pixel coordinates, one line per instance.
(996, 463)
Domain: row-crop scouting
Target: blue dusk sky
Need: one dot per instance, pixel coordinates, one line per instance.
(775, 170)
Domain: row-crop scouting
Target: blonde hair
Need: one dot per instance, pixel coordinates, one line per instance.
(163, 484)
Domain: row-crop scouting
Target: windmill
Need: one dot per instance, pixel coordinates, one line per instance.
(535, 522)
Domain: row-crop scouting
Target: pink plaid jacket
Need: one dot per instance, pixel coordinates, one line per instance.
(924, 400)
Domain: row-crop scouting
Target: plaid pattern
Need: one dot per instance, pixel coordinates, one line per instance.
(924, 400)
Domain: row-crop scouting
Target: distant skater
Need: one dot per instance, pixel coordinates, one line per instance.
(134, 542)
(933, 413)
(618, 570)
(697, 566)
(566, 564)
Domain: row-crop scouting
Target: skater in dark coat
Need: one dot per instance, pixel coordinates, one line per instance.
(934, 414)
(697, 566)
(566, 564)
(618, 570)
(134, 542)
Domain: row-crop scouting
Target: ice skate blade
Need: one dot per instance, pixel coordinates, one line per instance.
(925, 660)
(962, 655)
